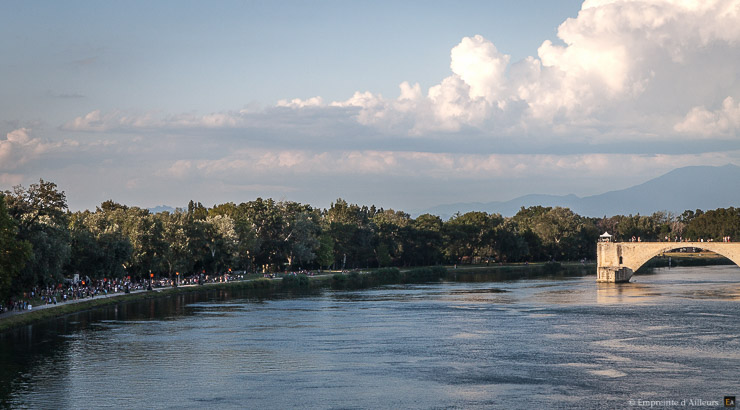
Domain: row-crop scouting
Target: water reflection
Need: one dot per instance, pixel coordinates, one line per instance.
(619, 293)
(720, 283)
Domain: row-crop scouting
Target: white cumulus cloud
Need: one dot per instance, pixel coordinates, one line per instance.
(298, 103)
(19, 147)
(477, 62)
(724, 121)
(628, 66)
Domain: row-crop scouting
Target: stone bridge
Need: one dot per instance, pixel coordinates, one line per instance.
(617, 261)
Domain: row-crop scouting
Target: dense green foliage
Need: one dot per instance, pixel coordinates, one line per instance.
(14, 253)
(385, 276)
(42, 241)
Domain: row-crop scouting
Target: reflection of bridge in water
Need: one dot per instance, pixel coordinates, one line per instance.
(617, 261)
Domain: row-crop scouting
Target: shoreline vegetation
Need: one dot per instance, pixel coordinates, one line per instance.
(49, 251)
(354, 280)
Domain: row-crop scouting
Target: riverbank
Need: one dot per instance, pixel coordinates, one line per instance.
(264, 286)
(10, 320)
(261, 286)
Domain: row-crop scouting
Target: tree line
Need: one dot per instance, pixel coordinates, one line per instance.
(42, 241)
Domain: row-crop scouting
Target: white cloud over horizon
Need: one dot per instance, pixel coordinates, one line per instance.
(435, 166)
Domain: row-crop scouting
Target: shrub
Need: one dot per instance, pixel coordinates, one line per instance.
(262, 283)
(431, 274)
(338, 281)
(552, 268)
(295, 281)
(386, 275)
(355, 281)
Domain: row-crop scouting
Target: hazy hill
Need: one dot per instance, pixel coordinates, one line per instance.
(161, 208)
(696, 187)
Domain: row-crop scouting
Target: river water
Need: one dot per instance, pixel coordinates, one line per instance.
(555, 342)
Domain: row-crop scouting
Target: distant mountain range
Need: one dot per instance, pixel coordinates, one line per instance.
(161, 208)
(695, 187)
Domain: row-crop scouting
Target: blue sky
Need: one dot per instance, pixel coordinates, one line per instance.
(402, 104)
(213, 56)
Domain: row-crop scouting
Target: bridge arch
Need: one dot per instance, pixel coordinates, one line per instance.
(643, 257)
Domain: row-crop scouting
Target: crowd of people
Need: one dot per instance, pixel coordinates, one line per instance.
(293, 273)
(69, 290)
(87, 288)
(682, 239)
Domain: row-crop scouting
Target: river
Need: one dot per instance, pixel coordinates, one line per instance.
(554, 342)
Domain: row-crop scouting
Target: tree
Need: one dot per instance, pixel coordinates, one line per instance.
(40, 201)
(325, 253)
(424, 245)
(556, 233)
(302, 237)
(265, 219)
(223, 243)
(510, 245)
(40, 212)
(383, 255)
(715, 224)
(353, 233)
(471, 235)
(14, 253)
(174, 235)
(392, 230)
(144, 231)
(98, 248)
(85, 253)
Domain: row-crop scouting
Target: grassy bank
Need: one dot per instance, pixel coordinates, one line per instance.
(483, 273)
(533, 266)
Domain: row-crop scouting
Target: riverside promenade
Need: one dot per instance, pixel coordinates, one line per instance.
(11, 318)
(17, 312)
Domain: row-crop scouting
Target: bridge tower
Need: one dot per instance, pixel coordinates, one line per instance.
(610, 263)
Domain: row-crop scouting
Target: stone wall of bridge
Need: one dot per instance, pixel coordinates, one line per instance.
(619, 260)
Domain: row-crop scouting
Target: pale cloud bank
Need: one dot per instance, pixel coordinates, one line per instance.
(432, 166)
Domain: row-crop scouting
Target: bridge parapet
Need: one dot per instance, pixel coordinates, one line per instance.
(617, 261)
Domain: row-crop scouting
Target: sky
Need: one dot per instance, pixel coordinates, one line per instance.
(405, 105)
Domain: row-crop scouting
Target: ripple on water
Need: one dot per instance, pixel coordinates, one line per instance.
(467, 336)
(612, 373)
